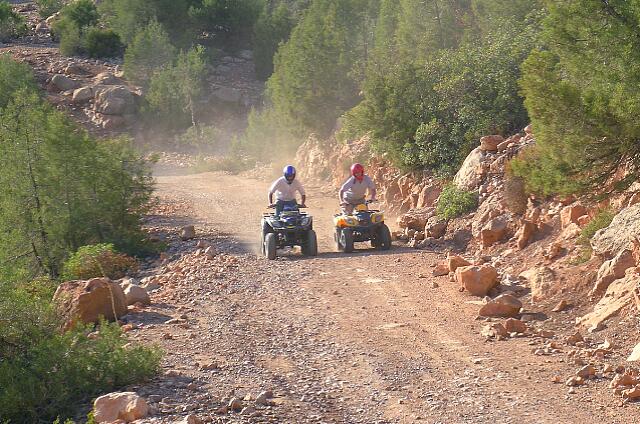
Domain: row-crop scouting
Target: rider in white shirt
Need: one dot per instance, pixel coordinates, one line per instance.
(285, 189)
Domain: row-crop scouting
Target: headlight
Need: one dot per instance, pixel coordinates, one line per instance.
(377, 217)
(351, 221)
(305, 221)
(346, 221)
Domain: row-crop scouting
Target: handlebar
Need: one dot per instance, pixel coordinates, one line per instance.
(273, 206)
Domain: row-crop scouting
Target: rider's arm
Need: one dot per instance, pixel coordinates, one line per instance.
(304, 200)
(343, 189)
(372, 191)
(270, 198)
(272, 190)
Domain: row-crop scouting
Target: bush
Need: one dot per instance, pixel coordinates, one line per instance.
(515, 195)
(82, 12)
(53, 373)
(68, 32)
(47, 8)
(454, 202)
(75, 19)
(149, 51)
(98, 260)
(102, 43)
(11, 23)
(601, 220)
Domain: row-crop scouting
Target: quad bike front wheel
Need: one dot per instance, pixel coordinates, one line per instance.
(310, 246)
(270, 246)
(346, 240)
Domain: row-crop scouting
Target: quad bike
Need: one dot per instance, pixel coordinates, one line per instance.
(363, 224)
(291, 228)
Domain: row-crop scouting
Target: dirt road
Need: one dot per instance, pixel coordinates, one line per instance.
(360, 338)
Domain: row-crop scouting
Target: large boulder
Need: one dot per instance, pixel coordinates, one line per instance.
(619, 295)
(428, 195)
(493, 231)
(136, 294)
(126, 406)
(416, 219)
(64, 83)
(469, 175)
(477, 280)
(540, 281)
(570, 214)
(82, 94)
(88, 301)
(524, 233)
(115, 100)
(490, 143)
(608, 241)
(435, 227)
(505, 305)
(612, 270)
(455, 261)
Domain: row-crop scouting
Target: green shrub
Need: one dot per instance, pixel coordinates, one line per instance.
(102, 43)
(47, 8)
(54, 373)
(82, 12)
(601, 220)
(68, 32)
(11, 23)
(98, 260)
(75, 19)
(149, 51)
(454, 202)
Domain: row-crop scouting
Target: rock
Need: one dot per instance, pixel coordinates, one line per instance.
(553, 251)
(106, 78)
(64, 83)
(469, 176)
(440, 270)
(574, 338)
(126, 406)
(561, 306)
(612, 270)
(493, 231)
(416, 219)
(428, 195)
(621, 380)
(513, 325)
(74, 69)
(235, 404)
(436, 227)
(540, 281)
(263, 398)
(505, 305)
(115, 100)
(210, 252)
(635, 355)
(477, 280)
(494, 330)
(248, 410)
(571, 213)
(625, 226)
(192, 419)
(227, 94)
(490, 143)
(619, 294)
(586, 372)
(633, 393)
(574, 381)
(528, 129)
(524, 233)
(136, 294)
(87, 301)
(82, 94)
(188, 232)
(455, 261)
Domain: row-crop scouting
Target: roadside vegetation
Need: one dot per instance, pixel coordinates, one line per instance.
(61, 191)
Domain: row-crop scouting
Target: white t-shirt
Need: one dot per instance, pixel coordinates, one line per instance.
(353, 189)
(285, 191)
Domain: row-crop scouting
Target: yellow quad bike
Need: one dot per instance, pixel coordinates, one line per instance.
(363, 224)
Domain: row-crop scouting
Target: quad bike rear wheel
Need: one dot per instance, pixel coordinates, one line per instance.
(384, 238)
(270, 246)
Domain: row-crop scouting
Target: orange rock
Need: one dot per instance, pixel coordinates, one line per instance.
(127, 406)
(455, 261)
(571, 213)
(493, 231)
(524, 233)
(505, 305)
(477, 280)
(490, 143)
(87, 301)
(515, 326)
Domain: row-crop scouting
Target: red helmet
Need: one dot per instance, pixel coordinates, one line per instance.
(357, 171)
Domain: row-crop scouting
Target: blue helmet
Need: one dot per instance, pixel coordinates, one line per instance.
(289, 173)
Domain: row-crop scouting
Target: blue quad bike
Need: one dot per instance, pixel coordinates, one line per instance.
(363, 224)
(291, 228)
